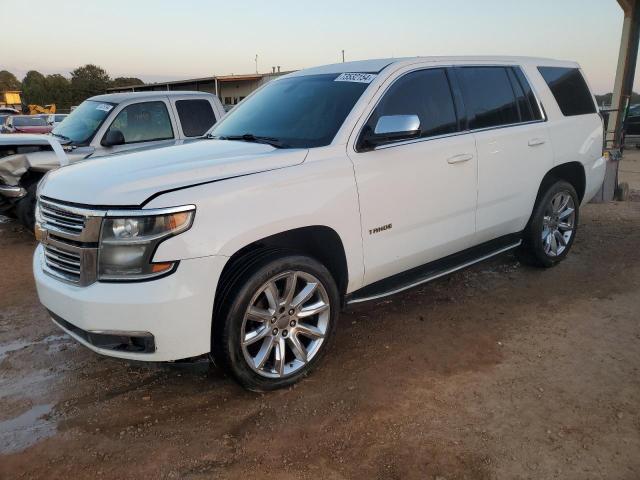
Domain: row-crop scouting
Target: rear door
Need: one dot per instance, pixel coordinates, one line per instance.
(417, 197)
(514, 150)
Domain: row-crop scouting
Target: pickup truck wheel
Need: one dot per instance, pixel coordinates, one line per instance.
(279, 323)
(552, 228)
(26, 207)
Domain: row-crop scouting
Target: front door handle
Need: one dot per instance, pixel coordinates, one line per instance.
(463, 157)
(534, 142)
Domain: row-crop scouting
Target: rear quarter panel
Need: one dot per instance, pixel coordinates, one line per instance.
(574, 139)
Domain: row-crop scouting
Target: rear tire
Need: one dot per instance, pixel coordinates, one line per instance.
(552, 228)
(276, 321)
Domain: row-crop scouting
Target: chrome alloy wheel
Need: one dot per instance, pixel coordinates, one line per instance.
(285, 324)
(558, 224)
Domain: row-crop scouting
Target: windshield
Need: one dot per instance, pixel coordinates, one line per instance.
(29, 122)
(299, 112)
(80, 126)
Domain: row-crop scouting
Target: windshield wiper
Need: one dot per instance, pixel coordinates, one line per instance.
(60, 136)
(250, 137)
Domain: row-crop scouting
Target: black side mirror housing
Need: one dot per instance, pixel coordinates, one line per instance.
(113, 138)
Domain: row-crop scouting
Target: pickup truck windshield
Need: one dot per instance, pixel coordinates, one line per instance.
(297, 112)
(81, 125)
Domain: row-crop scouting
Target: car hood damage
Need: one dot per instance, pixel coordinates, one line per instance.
(19, 153)
(129, 180)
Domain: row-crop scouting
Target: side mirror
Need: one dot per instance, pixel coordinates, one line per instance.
(113, 138)
(391, 128)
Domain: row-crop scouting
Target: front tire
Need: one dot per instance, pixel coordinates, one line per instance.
(278, 320)
(552, 228)
(26, 207)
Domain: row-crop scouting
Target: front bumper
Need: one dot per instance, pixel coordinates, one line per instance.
(176, 310)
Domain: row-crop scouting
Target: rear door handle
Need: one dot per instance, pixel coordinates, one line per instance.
(534, 142)
(463, 157)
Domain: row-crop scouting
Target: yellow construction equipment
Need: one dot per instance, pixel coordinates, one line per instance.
(37, 109)
(11, 99)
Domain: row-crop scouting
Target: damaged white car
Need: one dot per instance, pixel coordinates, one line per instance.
(24, 159)
(102, 125)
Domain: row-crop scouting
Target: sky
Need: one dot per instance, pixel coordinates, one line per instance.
(159, 40)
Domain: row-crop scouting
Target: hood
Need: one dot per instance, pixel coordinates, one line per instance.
(130, 179)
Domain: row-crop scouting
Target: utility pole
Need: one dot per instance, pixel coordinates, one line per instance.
(256, 63)
(342, 56)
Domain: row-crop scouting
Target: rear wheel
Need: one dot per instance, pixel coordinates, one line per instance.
(552, 227)
(280, 318)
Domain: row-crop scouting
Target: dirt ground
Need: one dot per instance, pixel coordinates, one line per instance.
(500, 371)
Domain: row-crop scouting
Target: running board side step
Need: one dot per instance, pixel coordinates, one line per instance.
(432, 270)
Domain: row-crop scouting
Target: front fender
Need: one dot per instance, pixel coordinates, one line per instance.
(233, 213)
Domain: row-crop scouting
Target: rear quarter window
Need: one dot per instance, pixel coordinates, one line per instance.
(569, 89)
(196, 116)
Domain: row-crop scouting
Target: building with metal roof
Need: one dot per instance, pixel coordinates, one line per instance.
(230, 89)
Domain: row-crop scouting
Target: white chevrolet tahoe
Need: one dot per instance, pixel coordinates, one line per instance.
(326, 187)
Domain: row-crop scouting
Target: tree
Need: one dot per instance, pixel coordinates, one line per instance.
(126, 82)
(59, 91)
(34, 88)
(8, 81)
(87, 81)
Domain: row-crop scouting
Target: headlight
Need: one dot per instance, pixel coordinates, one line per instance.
(129, 241)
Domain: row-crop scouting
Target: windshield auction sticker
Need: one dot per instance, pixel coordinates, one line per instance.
(104, 106)
(356, 77)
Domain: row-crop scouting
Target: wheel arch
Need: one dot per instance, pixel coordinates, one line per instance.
(571, 172)
(318, 241)
(31, 176)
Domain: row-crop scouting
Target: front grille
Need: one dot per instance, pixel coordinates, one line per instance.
(63, 263)
(56, 216)
(70, 237)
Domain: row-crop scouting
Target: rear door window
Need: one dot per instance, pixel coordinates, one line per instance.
(144, 122)
(425, 93)
(489, 97)
(196, 116)
(569, 89)
(528, 92)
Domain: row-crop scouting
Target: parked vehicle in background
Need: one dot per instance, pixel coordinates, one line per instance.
(329, 186)
(8, 111)
(631, 128)
(25, 124)
(55, 119)
(33, 153)
(108, 124)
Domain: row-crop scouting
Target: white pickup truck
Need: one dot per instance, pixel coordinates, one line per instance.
(326, 187)
(100, 126)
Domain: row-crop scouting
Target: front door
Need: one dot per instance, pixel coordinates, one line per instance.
(143, 125)
(417, 197)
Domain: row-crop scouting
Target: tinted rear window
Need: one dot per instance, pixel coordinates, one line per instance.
(196, 116)
(569, 89)
(488, 96)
